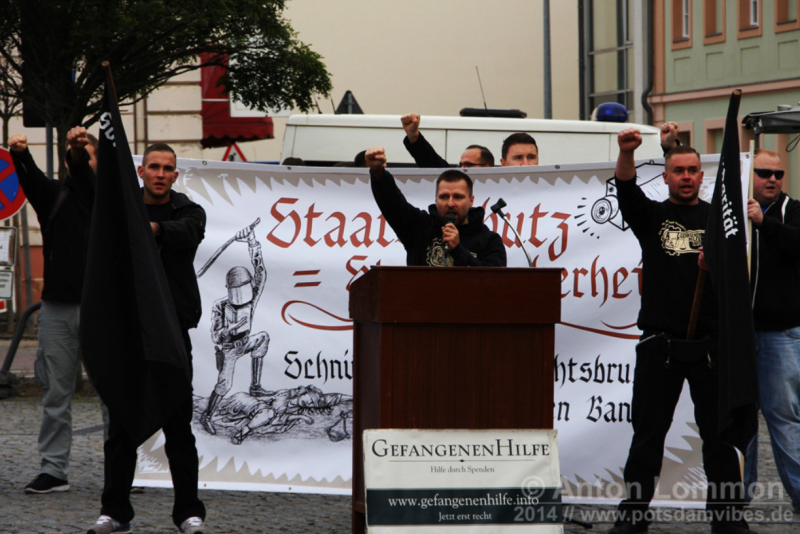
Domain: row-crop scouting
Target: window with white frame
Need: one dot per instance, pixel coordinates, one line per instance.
(606, 54)
(753, 10)
(685, 18)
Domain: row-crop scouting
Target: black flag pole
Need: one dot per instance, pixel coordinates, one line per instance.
(698, 298)
(107, 67)
(750, 195)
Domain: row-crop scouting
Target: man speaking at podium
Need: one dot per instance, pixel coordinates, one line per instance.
(450, 233)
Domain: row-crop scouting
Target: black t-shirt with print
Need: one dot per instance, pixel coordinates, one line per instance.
(670, 236)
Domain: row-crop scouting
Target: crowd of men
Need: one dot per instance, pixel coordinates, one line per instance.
(451, 232)
(64, 210)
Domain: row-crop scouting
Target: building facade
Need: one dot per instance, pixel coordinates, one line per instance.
(615, 56)
(704, 49)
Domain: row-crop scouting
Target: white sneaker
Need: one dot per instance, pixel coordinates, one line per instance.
(107, 525)
(194, 525)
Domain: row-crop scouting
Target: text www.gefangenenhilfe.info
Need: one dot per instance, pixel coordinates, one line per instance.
(463, 505)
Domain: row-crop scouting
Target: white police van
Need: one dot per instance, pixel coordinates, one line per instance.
(323, 140)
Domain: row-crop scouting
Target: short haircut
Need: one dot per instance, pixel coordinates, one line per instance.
(678, 150)
(158, 147)
(517, 139)
(487, 158)
(766, 152)
(361, 159)
(453, 175)
(293, 161)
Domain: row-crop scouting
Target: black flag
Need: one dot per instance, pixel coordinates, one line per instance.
(725, 247)
(132, 345)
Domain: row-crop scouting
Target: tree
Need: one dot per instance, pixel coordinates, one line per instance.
(147, 42)
(10, 105)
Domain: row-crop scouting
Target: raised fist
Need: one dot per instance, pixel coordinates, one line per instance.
(77, 138)
(376, 158)
(629, 140)
(18, 142)
(669, 133)
(410, 124)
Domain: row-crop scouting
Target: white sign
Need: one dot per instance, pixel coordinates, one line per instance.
(6, 284)
(8, 245)
(452, 479)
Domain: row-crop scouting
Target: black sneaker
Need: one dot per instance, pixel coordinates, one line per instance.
(628, 527)
(45, 483)
(731, 527)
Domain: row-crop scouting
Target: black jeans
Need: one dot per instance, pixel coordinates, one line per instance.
(120, 464)
(657, 387)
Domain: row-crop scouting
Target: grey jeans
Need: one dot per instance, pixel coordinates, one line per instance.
(57, 363)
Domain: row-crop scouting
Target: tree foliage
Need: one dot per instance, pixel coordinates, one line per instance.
(147, 42)
(10, 105)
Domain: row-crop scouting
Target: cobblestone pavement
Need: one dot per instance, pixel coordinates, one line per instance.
(237, 511)
(22, 364)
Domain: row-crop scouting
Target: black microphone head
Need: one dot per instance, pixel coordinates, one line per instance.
(499, 205)
(450, 218)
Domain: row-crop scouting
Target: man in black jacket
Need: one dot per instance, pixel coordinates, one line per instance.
(426, 235)
(670, 235)
(775, 281)
(178, 226)
(64, 210)
(425, 155)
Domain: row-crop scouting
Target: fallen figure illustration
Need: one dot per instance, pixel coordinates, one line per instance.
(279, 411)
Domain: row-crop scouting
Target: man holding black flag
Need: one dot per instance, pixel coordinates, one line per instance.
(670, 234)
(140, 300)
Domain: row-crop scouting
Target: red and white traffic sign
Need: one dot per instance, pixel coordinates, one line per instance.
(234, 153)
(11, 196)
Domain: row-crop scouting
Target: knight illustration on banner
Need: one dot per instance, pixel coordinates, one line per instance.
(232, 323)
(257, 411)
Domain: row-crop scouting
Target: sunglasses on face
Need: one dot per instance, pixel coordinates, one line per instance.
(766, 173)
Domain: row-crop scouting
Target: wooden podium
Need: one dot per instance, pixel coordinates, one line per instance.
(451, 347)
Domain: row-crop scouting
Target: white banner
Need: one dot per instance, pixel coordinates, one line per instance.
(318, 229)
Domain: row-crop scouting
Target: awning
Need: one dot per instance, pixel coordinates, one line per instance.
(219, 128)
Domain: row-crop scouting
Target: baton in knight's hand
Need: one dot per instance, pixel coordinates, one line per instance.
(221, 249)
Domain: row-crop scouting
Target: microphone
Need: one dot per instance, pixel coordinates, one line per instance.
(450, 218)
(497, 209)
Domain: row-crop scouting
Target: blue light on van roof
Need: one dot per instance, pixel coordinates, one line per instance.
(611, 112)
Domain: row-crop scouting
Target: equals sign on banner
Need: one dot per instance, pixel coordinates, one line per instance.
(307, 273)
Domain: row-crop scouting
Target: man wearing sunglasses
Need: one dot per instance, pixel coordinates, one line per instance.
(775, 282)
